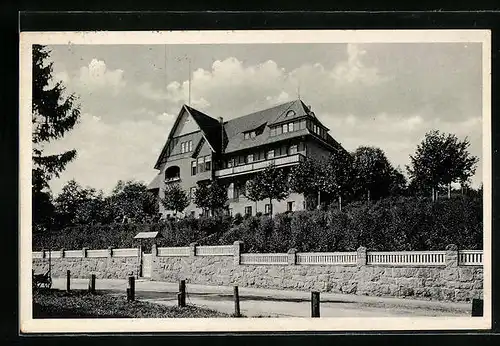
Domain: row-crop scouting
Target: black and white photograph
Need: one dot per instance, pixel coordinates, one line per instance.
(255, 180)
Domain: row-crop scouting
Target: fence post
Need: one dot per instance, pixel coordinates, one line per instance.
(192, 249)
(110, 252)
(62, 253)
(92, 283)
(237, 250)
(314, 304)
(451, 256)
(68, 280)
(131, 288)
(84, 252)
(236, 302)
(292, 256)
(477, 307)
(361, 259)
(139, 261)
(43, 253)
(181, 296)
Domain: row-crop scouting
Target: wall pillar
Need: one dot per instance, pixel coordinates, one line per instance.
(192, 249)
(43, 253)
(451, 256)
(84, 252)
(361, 256)
(110, 252)
(62, 253)
(237, 250)
(154, 251)
(292, 257)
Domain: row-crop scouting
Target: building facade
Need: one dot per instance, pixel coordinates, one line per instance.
(202, 148)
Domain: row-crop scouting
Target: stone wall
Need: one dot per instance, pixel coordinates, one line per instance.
(450, 281)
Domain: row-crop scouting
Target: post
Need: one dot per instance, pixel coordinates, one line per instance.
(236, 302)
(181, 296)
(110, 252)
(68, 281)
(237, 250)
(92, 283)
(292, 256)
(139, 268)
(84, 252)
(451, 256)
(477, 307)
(192, 249)
(314, 304)
(361, 256)
(131, 288)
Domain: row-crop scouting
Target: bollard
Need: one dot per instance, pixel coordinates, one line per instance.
(236, 302)
(131, 288)
(68, 281)
(314, 304)
(92, 283)
(477, 307)
(181, 297)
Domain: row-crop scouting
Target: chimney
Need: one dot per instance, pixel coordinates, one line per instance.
(309, 107)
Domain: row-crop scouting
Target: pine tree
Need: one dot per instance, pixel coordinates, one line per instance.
(53, 115)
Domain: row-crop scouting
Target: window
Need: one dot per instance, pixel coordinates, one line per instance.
(290, 113)
(273, 131)
(267, 209)
(190, 146)
(230, 211)
(290, 127)
(250, 158)
(208, 163)
(252, 134)
(193, 167)
(278, 131)
(293, 149)
(296, 126)
(191, 192)
(192, 213)
(229, 163)
(285, 128)
(201, 165)
(290, 206)
(183, 147)
(248, 211)
(270, 154)
(302, 124)
(247, 135)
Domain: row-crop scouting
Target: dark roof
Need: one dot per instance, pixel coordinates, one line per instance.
(210, 127)
(155, 183)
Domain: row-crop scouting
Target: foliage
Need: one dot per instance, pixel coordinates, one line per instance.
(212, 196)
(373, 171)
(53, 115)
(270, 183)
(73, 203)
(304, 179)
(175, 198)
(337, 174)
(441, 159)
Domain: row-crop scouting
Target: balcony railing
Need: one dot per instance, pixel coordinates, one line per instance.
(172, 179)
(282, 161)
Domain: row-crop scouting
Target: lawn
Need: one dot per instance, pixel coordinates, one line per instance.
(82, 304)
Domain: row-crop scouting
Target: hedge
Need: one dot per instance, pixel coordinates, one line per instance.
(393, 224)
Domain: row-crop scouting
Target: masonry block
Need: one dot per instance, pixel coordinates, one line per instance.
(292, 256)
(361, 256)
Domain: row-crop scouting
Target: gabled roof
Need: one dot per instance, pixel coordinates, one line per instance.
(209, 127)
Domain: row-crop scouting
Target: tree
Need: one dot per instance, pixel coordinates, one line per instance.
(270, 183)
(440, 160)
(71, 201)
(175, 198)
(336, 175)
(212, 196)
(372, 172)
(131, 200)
(304, 179)
(53, 115)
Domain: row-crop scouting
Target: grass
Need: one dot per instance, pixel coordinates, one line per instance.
(81, 304)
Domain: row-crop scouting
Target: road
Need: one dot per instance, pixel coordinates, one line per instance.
(255, 302)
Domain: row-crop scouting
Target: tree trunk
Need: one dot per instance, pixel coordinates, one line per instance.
(449, 190)
(271, 207)
(433, 194)
(319, 200)
(340, 203)
(368, 195)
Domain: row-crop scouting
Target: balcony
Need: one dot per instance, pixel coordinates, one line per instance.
(172, 179)
(282, 161)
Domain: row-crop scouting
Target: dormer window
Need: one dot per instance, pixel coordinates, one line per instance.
(250, 134)
(290, 113)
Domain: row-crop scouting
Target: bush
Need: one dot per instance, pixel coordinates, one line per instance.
(392, 224)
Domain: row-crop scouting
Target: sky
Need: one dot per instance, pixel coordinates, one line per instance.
(386, 95)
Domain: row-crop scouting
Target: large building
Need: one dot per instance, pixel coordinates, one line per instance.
(201, 148)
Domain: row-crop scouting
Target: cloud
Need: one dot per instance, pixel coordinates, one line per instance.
(97, 76)
(109, 152)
